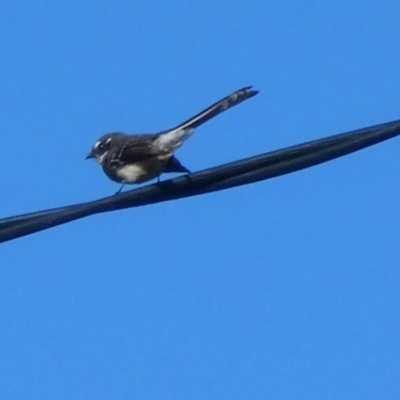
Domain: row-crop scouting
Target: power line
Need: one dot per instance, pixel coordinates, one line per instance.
(254, 169)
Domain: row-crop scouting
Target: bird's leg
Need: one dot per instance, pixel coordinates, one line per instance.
(120, 189)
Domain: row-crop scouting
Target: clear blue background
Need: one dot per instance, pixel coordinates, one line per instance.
(285, 289)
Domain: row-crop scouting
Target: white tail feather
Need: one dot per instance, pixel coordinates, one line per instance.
(169, 141)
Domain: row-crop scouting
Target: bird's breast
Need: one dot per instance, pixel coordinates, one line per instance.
(132, 173)
(138, 172)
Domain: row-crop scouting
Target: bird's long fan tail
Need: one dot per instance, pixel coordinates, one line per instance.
(217, 108)
(172, 139)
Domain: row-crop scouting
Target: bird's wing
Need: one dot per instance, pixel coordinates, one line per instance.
(136, 148)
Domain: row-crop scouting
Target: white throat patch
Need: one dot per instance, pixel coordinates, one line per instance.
(101, 158)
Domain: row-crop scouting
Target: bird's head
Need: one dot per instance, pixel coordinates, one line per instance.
(102, 146)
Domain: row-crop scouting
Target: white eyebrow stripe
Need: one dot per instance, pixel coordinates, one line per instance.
(97, 144)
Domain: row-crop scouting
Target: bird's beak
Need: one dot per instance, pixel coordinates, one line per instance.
(90, 155)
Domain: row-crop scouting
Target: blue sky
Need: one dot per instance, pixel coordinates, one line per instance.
(279, 290)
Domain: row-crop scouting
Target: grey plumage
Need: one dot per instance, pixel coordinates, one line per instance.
(139, 158)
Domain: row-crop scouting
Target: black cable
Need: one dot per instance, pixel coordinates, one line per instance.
(250, 170)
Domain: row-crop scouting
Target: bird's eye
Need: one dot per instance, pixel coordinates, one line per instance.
(105, 145)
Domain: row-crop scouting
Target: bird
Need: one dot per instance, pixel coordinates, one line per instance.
(137, 158)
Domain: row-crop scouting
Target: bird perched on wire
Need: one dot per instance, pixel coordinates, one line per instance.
(140, 158)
